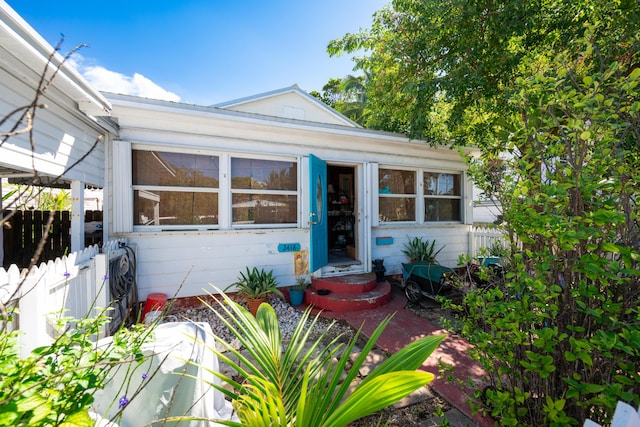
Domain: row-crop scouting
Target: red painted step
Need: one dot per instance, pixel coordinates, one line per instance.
(348, 284)
(348, 293)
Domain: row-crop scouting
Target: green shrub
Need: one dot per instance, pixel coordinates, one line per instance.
(560, 338)
(54, 386)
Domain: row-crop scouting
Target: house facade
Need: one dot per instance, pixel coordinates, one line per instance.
(277, 181)
(205, 191)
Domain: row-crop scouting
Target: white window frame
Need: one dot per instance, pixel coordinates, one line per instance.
(459, 197)
(224, 190)
(421, 196)
(151, 188)
(414, 196)
(231, 191)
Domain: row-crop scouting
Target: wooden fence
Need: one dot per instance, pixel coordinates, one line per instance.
(485, 238)
(77, 283)
(24, 230)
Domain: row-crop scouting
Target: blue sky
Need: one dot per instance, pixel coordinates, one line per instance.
(201, 51)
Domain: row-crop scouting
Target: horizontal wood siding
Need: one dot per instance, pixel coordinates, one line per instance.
(202, 259)
(62, 134)
(454, 238)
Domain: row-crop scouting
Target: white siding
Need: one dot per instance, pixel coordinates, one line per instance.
(202, 259)
(454, 238)
(62, 134)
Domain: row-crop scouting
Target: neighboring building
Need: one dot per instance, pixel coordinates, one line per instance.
(203, 191)
(73, 126)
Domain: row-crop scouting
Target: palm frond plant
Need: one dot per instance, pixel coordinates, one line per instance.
(419, 249)
(305, 382)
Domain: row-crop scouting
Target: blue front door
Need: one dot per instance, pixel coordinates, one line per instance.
(319, 256)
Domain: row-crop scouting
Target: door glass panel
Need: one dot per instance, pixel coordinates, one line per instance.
(319, 201)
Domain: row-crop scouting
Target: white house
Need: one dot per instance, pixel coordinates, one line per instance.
(204, 191)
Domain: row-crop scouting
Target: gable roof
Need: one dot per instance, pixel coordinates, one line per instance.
(289, 103)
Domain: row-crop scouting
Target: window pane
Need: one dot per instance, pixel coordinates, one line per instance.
(396, 181)
(174, 169)
(174, 208)
(256, 174)
(397, 209)
(445, 184)
(442, 210)
(264, 209)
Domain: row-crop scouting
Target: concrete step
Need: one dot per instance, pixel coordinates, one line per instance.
(352, 292)
(347, 284)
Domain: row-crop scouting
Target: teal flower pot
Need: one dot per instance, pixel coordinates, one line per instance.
(296, 297)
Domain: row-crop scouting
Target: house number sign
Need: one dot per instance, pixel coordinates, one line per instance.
(288, 247)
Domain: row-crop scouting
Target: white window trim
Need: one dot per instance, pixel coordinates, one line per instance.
(421, 196)
(224, 190)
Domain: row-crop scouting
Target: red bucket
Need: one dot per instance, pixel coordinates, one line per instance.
(155, 302)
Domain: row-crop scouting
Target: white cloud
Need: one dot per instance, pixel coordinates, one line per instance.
(111, 81)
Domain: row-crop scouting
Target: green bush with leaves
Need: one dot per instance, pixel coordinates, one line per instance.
(303, 383)
(54, 386)
(560, 338)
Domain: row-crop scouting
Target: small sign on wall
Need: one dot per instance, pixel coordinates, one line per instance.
(301, 259)
(384, 240)
(288, 247)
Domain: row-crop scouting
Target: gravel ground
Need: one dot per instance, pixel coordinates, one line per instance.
(413, 415)
(288, 316)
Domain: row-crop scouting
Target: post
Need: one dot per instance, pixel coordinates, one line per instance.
(101, 284)
(77, 216)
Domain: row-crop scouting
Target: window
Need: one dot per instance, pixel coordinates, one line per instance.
(174, 189)
(397, 195)
(264, 191)
(442, 197)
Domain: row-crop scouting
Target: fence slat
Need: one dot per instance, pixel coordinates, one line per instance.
(484, 237)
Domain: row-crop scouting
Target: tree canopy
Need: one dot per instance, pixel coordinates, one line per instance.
(550, 93)
(455, 62)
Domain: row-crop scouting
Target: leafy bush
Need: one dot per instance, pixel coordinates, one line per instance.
(54, 386)
(560, 338)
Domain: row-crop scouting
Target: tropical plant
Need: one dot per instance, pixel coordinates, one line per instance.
(420, 249)
(301, 283)
(257, 283)
(303, 383)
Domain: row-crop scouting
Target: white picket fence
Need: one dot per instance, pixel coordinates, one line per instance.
(76, 283)
(485, 237)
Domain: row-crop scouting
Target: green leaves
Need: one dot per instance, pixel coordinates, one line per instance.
(304, 383)
(56, 383)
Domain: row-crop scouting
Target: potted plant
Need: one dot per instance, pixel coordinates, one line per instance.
(493, 254)
(419, 249)
(256, 285)
(296, 292)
